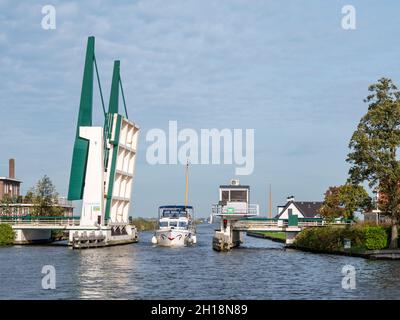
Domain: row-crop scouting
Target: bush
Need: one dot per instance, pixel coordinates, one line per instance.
(324, 239)
(332, 238)
(375, 237)
(6, 235)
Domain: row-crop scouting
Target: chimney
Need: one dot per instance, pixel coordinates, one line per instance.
(290, 198)
(11, 169)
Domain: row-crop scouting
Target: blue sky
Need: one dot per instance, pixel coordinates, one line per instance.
(284, 68)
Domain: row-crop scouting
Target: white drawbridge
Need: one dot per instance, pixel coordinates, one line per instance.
(103, 165)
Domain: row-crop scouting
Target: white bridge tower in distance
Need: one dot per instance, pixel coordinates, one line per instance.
(234, 204)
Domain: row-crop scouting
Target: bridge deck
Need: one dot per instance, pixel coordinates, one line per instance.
(41, 223)
(265, 224)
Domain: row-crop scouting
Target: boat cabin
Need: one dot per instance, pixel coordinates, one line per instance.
(175, 217)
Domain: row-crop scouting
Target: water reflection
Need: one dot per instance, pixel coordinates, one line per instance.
(105, 273)
(382, 276)
(261, 269)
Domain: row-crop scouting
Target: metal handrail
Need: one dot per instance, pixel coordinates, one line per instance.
(283, 223)
(217, 209)
(53, 222)
(29, 217)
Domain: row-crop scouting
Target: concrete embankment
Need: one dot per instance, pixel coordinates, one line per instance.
(384, 254)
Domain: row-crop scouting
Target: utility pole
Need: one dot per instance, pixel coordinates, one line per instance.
(270, 201)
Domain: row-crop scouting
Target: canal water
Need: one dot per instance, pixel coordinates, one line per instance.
(260, 269)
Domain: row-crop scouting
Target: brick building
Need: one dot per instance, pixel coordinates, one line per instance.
(9, 185)
(12, 187)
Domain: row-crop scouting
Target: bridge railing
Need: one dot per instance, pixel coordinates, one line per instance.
(260, 223)
(40, 220)
(283, 223)
(217, 209)
(311, 222)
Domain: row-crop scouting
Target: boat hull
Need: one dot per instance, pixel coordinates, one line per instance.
(174, 238)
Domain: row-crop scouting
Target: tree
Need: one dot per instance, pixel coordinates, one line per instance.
(7, 234)
(45, 198)
(6, 204)
(373, 149)
(343, 201)
(28, 197)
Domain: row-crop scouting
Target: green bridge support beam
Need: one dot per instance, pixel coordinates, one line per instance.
(81, 146)
(113, 108)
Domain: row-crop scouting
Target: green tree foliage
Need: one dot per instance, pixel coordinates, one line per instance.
(6, 204)
(6, 235)
(329, 239)
(144, 224)
(375, 237)
(28, 197)
(373, 149)
(44, 198)
(343, 201)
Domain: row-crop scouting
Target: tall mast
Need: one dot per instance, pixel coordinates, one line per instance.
(187, 184)
(270, 201)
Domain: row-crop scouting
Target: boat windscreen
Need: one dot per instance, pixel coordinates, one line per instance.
(173, 223)
(163, 224)
(183, 224)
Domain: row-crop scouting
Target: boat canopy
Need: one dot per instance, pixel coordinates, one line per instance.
(175, 211)
(177, 207)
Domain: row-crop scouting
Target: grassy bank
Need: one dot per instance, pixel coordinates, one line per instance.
(332, 239)
(276, 236)
(6, 235)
